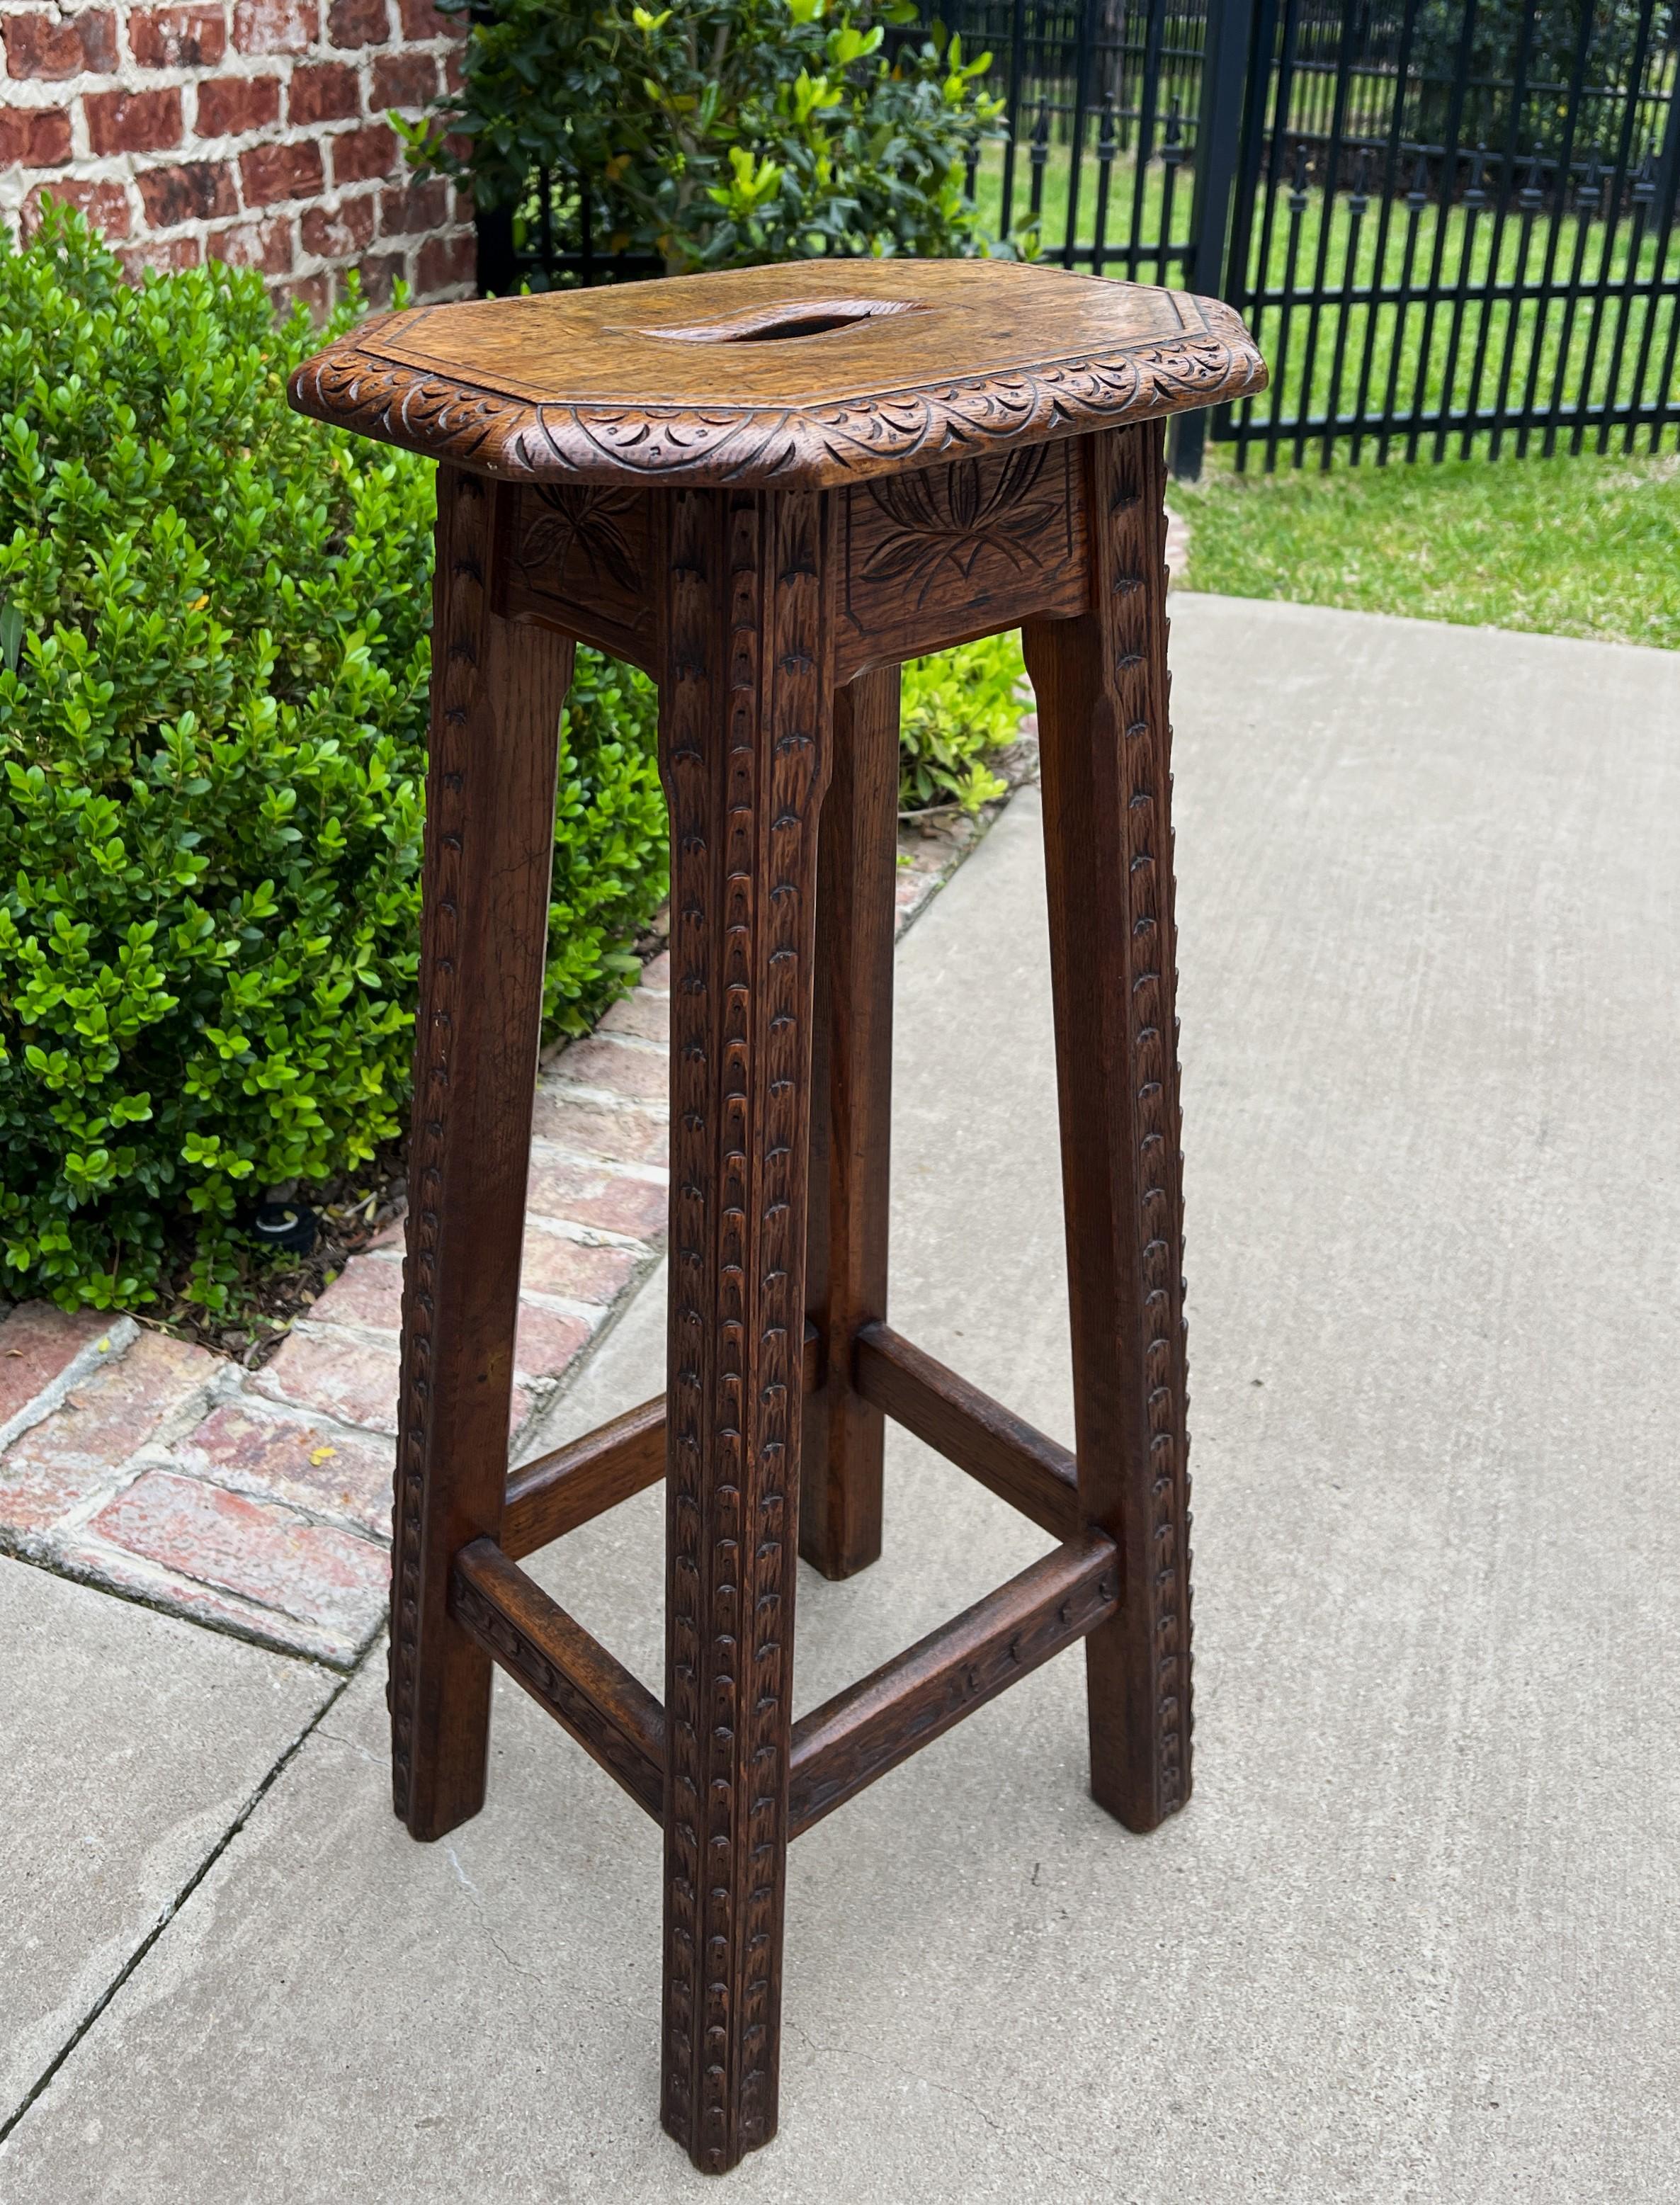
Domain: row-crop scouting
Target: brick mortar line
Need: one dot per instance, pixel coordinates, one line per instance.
(228, 1388)
(577, 1235)
(102, 1564)
(379, 1336)
(569, 1305)
(603, 1098)
(98, 1355)
(359, 1333)
(638, 1044)
(319, 1518)
(614, 1168)
(309, 1328)
(189, 76)
(238, 1393)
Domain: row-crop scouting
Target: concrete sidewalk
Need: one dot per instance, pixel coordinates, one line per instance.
(1414, 1938)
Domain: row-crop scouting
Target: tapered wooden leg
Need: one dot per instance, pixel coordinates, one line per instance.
(745, 696)
(1105, 744)
(852, 1101)
(497, 695)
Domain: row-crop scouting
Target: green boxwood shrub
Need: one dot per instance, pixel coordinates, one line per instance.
(213, 668)
(954, 710)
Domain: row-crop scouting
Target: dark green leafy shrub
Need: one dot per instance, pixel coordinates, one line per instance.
(213, 669)
(955, 709)
(718, 133)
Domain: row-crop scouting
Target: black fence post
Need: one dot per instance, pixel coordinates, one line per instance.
(493, 270)
(1668, 160)
(1225, 77)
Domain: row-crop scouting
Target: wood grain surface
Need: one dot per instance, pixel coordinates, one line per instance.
(1000, 1450)
(496, 703)
(1105, 744)
(907, 1703)
(746, 678)
(610, 1713)
(760, 376)
(959, 551)
(578, 557)
(850, 1131)
(555, 1495)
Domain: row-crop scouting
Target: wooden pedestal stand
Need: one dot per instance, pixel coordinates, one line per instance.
(769, 488)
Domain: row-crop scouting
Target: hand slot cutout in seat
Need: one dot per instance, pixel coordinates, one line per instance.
(818, 317)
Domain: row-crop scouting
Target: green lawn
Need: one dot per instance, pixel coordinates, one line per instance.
(1569, 544)
(1404, 355)
(1565, 546)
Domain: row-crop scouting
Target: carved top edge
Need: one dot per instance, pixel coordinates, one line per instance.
(808, 443)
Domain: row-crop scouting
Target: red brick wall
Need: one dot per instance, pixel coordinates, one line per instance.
(249, 131)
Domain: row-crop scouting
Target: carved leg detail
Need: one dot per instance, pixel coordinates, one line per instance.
(852, 1101)
(745, 749)
(1105, 742)
(496, 696)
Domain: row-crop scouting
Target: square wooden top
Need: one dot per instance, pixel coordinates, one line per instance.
(806, 374)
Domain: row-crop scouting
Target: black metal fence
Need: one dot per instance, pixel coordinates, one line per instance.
(1450, 224)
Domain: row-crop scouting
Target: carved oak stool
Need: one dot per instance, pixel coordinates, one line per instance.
(769, 488)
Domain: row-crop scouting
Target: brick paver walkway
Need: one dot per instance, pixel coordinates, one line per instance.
(258, 1502)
